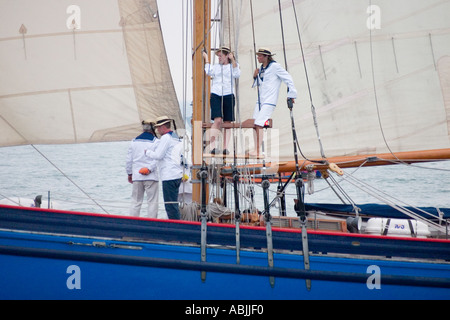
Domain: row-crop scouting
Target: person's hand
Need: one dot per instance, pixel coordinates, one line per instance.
(205, 56)
(290, 102)
(255, 74)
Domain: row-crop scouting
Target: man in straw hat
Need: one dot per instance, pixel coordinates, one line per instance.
(168, 153)
(142, 172)
(268, 79)
(222, 98)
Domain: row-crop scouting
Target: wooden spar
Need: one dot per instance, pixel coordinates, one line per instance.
(354, 161)
(201, 87)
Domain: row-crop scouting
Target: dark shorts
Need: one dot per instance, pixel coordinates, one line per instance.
(222, 107)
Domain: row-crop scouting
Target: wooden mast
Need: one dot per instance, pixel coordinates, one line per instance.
(201, 87)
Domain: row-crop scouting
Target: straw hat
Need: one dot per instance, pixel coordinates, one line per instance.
(265, 52)
(223, 49)
(162, 120)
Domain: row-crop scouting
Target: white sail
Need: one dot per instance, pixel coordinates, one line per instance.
(81, 73)
(379, 72)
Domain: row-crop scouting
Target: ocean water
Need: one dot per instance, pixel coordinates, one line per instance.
(76, 174)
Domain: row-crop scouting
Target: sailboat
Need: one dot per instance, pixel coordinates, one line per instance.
(367, 71)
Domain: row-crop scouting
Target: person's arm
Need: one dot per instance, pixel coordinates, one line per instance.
(161, 148)
(287, 79)
(256, 79)
(205, 56)
(153, 164)
(236, 70)
(209, 70)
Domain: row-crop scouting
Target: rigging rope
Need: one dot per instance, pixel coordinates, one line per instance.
(68, 178)
(372, 65)
(257, 89)
(184, 31)
(57, 168)
(313, 109)
(389, 200)
(254, 51)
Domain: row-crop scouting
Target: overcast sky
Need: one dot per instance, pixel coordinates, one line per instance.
(171, 18)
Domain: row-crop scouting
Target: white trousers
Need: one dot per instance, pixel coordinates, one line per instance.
(261, 116)
(151, 188)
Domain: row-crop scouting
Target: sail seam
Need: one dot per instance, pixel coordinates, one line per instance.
(70, 33)
(63, 90)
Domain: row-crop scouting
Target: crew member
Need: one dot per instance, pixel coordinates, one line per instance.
(168, 153)
(142, 172)
(268, 78)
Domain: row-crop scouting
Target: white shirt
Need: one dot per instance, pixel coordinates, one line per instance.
(223, 78)
(270, 82)
(136, 159)
(168, 153)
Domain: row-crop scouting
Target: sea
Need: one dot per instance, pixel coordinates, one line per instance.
(91, 177)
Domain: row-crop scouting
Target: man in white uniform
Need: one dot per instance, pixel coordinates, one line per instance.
(142, 172)
(168, 153)
(268, 79)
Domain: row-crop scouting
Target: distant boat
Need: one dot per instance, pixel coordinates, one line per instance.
(375, 79)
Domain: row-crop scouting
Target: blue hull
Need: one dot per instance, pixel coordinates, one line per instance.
(60, 267)
(48, 254)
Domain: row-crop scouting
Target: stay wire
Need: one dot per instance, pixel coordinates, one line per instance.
(296, 143)
(185, 31)
(257, 82)
(290, 103)
(68, 178)
(313, 109)
(57, 168)
(391, 201)
(254, 51)
(372, 64)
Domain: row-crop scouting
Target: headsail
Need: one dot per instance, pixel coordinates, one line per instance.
(81, 73)
(379, 74)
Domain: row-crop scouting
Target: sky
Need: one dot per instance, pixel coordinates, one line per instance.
(171, 18)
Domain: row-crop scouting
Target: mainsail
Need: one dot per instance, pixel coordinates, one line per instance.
(378, 72)
(81, 73)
